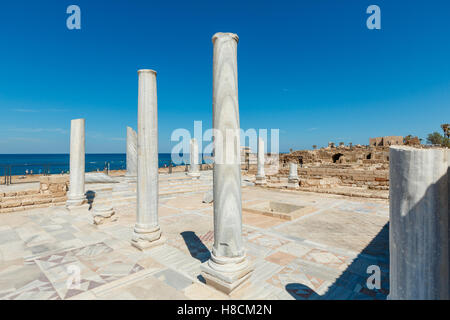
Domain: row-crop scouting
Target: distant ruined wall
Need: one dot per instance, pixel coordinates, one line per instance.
(338, 155)
(345, 166)
(386, 141)
(52, 192)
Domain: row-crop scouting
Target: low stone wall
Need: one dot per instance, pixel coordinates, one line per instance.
(373, 179)
(52, 192)
(329, 177)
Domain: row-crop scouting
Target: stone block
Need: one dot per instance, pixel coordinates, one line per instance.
(27, 202)
(6, 210)
(41, 200)
(10, 194)
(59, 199)
(11, 204)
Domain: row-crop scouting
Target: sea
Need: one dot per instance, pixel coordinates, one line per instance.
(20, 164)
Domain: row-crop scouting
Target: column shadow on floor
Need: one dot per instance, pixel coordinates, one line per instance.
(301, 292)
(351, 284)
(90, 196)
(195, 246)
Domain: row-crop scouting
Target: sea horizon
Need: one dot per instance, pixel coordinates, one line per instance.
(39, 163)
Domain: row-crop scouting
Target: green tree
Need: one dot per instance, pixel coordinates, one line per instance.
(435, 138)
(438, 139)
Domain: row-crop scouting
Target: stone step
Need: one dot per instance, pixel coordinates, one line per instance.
(123, 193)
(131, 197)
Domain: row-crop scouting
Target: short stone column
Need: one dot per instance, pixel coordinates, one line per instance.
(131, 173)
(147, 232)
(76, 195)
(228, 266)
(293, 176)
(103, 211)
(418, 223)
(260, 175)
(193, 165)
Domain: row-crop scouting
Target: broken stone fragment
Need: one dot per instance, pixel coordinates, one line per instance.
(102, 214)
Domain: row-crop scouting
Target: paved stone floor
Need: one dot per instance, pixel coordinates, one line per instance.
(323, 254)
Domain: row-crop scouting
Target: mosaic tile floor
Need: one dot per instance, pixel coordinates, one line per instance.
(52, 253)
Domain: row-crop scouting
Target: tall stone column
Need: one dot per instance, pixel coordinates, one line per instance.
(260, 175)
(131, 154)
(228, 266)
(418, 223)
(76, 195)
(193, 166)
(293, 176)
(147, 232)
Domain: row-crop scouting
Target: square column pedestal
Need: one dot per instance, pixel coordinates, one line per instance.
(293, 183)
(260, 180)
(226, 274)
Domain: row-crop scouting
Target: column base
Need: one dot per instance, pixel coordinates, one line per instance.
(75, 201)
(260, 180)
(147, 238)
(103, 214)
(293, 184)
(226, 274)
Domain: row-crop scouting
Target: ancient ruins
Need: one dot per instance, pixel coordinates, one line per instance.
(309, 224)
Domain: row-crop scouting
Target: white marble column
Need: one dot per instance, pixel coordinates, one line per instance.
(147, 232)
(228, 266)
(293, 176)
(131, 154)
(194, 164)
(76, 195)
(419, 223)
(260, 175)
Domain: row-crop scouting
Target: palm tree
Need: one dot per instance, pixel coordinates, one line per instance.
(446, 128)
(314, 147)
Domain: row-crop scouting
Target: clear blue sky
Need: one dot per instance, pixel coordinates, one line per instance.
(310, 68)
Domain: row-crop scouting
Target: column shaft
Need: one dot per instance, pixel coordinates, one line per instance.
(260, 175)
(147, 231)
(418, 223)
(228, 266)
(76, 195)
(293, 172)
(131, 153)
(293, 176)
(194, 163)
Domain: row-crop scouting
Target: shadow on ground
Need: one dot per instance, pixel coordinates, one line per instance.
(351, 284)
(195, 246)
(90, 196)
